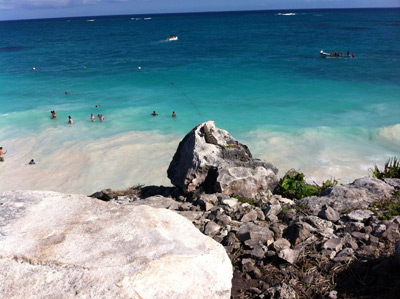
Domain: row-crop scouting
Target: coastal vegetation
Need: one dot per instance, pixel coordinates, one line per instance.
(293, 186)
(390, 170)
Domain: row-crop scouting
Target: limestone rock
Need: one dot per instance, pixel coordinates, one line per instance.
(360, 215)
(225, 166)
(329, 214)
(289, 255)
(55, 245)
(357, 195)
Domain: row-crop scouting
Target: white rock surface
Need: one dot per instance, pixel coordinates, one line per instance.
(221, 166)
(54, 245)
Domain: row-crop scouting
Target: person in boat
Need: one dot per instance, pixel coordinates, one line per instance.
(154, 114)
(348, 53)
(173, 114)
(353, 55)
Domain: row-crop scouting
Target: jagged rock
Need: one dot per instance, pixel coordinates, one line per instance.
(296, 233)
(281, 244)
(278, 229)
(335, 244)
(227, 166)
(289, 255)
(281, 290)
(357, 195)
(255, 233)
(322, 227)
(392, 233)
(211, 228)
(272, 209)
(329, 214)
(231, 202)
(54, 245)
(360, 215)
(378, 230)
(250, 216)
(392, 182)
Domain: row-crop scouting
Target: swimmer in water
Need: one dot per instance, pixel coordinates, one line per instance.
(53, 114)
(92, 118)
(32, 162)
(97, 106)
(173, 114)
(154, 114)
(70, 120)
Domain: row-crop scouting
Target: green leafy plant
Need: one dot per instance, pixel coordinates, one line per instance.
(391, 169)
(250, 201)
(293, 186)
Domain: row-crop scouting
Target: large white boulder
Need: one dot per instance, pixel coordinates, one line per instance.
(210, 159)
(55, 245)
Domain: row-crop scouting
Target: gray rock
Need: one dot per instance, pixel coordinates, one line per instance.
(281, 290)
(257, 252)
(231, 202)
(360, 215)
(378, 230)
(289, 255)
(335, 244)
(272, 209)
(227, 167)
(329, 214)
(358, 195)
(255, 233)
(393, 182)
(250, 216)
(211, 228)
(281, 244)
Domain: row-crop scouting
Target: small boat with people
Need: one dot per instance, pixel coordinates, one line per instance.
(172, 37)
(336, 54)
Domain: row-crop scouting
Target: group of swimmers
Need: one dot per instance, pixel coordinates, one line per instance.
(99, 116)
(155, 114)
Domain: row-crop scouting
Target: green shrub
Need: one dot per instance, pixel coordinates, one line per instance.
(391, 169)
(293, 186)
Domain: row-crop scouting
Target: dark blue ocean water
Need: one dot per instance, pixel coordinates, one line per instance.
(256, 74)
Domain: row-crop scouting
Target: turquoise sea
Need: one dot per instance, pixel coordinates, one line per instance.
(258, 75)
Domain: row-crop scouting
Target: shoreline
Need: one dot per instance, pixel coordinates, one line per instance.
(67, 164)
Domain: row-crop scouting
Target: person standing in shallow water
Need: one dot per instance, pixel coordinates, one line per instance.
(2, 154)
(173, 114)
(70, 121)
(154, 114)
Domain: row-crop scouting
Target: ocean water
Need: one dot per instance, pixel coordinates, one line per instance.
(258, 75)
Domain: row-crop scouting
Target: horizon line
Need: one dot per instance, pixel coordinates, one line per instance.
(197, 12)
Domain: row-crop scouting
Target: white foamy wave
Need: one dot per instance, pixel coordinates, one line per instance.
(390, 135)
(147, 18)
(286, 14)
(90, 20)
(70, 165)
(320, 153)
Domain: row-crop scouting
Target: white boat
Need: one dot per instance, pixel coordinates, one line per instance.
(335, 55)
(172, 37)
